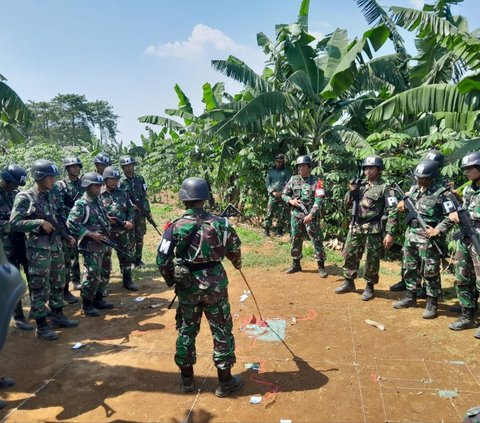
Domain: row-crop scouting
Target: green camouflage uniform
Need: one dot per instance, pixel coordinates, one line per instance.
(118, 204)
(420, 257)
(303, 189)
(467, 269)
(89, 215)
(377, 203)
(208, 293)
(69, 191)
(276, 208)
(46, 263)
(137, 190)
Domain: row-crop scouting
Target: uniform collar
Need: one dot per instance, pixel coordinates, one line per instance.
(378, 181)
(193, 211)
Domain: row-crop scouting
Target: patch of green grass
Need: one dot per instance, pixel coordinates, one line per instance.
(250, 237)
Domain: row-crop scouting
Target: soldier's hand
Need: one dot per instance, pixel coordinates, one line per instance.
(111, 219)
(72, 241)
(432, 232)
(387, 242)
(128, 225)
(454, 217)
(278, 194)
(352, 187)
(401, 206)
(237, 264)
(294, 203)
(47, 226)
(97, 236)
(308, 219)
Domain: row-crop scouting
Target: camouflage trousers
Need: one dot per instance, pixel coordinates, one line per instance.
(136, 237)
(122, 239)
(46, 269)
(276, 209)
(467, 273)
(422, 260)
(216, 308)
(93, 281)
(355, 246)
(72, 266)
(301, 232)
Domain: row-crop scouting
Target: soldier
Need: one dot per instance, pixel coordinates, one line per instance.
(375, 204)
(88, 221)
(34, 213)
(421, 259)
(302, 194)
(467, 268)
(190, 256)
(70, 190)
(136, 188)
(101, 161)
(12, 177)
(118, 205)
(275, 181)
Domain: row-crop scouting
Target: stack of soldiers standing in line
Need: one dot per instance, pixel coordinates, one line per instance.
(45, 228)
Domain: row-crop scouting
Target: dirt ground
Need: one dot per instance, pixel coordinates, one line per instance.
(347, 371)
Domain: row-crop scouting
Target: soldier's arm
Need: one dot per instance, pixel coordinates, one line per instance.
(75, 219)
(445, 224)
(130, 210)
(145, 202)
(287, 191)
(391, 211)
(165, 254)
(268, 182)
(233, 251)
(20, 212)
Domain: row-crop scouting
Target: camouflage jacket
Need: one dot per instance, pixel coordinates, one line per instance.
(276, 179)
(471, 202)
(117, 204)
(88, 215)
(430, 205)
(8, 238)
(214, 240)
(377, 204)
(137, 190)
(69, 192)
(29, 209)
(303, 189)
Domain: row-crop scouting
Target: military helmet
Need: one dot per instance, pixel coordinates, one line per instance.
(373, 161)
(471, 159)
(472, 415)
(280, 157)
(91, 178)
(103, 158)
(71, 161)
(304, 160)
(111, 172)
(15, 174)
(43, 168)
(194, 189)
(436, 156)
(126, 160)
(426, 169)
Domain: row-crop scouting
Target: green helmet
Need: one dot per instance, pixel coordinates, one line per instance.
(194, 189)
(91, 178)
(111, 172)
(43, 168)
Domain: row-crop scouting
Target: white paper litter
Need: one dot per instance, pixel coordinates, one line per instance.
(244, 296)
(285, 421)
(255, 399)
(139, 299)
(374, 323)
(155, 305)
(77, 346)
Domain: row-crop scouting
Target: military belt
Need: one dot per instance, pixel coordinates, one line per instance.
(202, 266)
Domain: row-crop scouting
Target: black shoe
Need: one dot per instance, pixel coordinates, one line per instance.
(410, 300)
(130, 286)
(399, 286)
(187, 384)
(69, 297)
(58, 319)
(295, 267)
(139, 264)
(369, 292)
(347, 286)
(22, 324)
(6, 382)
(46, 333)
(89, 310)
(224, 389)
(101, 304)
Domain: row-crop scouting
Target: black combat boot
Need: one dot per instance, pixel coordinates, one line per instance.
(88, 309)
(44, 331)
(295, 267)
(465, 321)
(227, 383)
(430, 311)
(410, 300)
(58, 319)
(280, 232)
(19, 318)
(369, 292)
(187, 382)
(128, 282)
(68, 296)
(100, 303)
(399, 286)
(321, 269)
(347, 286)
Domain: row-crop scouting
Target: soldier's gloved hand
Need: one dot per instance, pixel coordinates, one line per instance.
(128, 225)
(454, 217)
(401, 206)
(47, 226)
(388, 242)
(432, 232)
(237, 264)
(308, 219)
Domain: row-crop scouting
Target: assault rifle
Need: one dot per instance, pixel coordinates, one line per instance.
(413, 214)
(138, 204)
(230, 211)
(356, 194)
(115, 246)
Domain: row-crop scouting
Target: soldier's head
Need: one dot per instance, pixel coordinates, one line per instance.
(194, 192)
(44, 173)
(279, 161)
(471, 166)
(72, 165)
(12, 177)
(372, 167)
(128, 165)
(92, 182)
(101, 161)
(436, 156)
(304, 166)
(472, 415)
(111, 175)
(426, 172)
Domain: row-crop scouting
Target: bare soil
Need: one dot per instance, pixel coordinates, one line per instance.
(347, 371)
